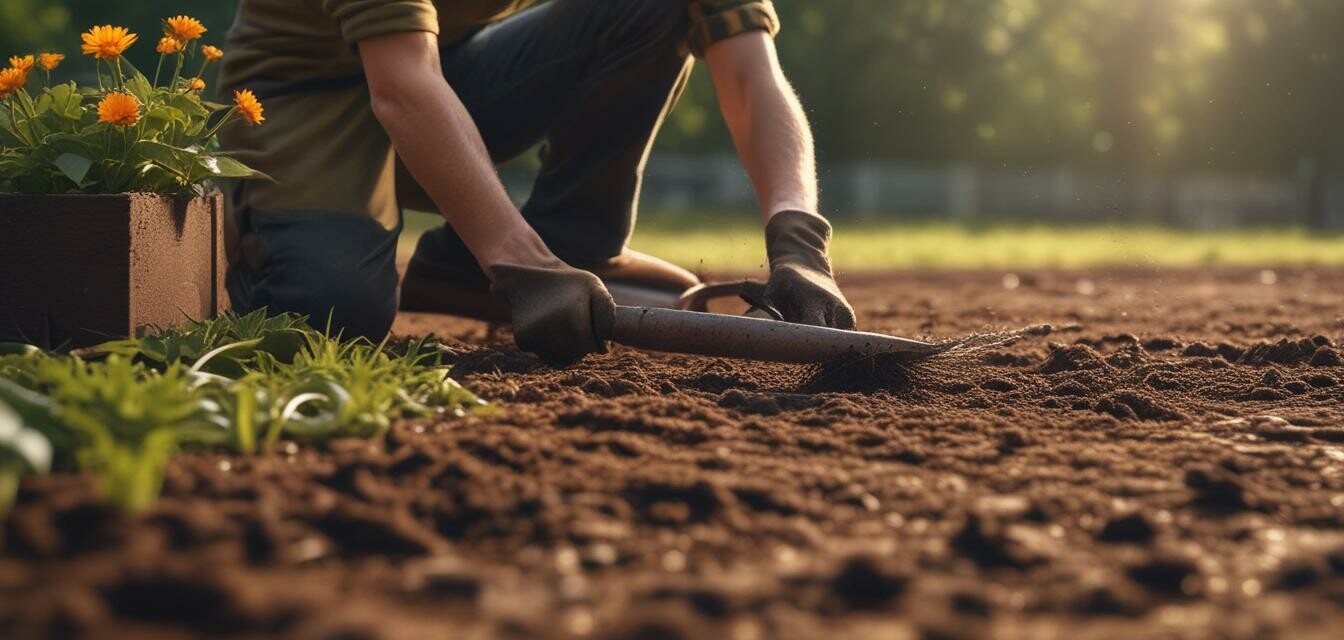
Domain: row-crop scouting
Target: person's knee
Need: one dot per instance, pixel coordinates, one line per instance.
(347, 301)
(342, 299)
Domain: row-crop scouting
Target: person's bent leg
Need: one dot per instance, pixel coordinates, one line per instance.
(338, 269)
(593, 78)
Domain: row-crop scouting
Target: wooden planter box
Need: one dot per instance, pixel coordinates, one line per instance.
(78, 270)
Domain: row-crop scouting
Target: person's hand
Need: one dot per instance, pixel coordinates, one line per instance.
(802, 287)
(559, 313)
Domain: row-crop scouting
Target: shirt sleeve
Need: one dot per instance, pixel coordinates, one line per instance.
(716, 20)
(363, 19)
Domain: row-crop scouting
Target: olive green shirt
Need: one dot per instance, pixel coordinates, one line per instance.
(325, 148)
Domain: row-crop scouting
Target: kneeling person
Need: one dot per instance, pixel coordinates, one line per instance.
(379, 104)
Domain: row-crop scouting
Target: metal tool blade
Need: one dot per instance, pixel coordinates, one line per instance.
(724, 336)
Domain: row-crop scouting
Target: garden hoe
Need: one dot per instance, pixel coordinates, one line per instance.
(761, 335)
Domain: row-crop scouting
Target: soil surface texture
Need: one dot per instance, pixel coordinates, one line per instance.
(1167, 462)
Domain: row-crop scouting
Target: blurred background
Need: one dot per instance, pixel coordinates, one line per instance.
(978, 133)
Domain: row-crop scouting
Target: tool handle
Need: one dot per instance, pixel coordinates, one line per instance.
(724, 336)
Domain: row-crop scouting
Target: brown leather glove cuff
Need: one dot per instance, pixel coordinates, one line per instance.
(798, 238)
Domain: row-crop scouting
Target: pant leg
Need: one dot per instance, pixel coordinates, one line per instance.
(594, 79)
(325, 265)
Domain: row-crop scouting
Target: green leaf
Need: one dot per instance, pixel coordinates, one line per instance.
(74, 166)
(20, 446)
(225, 167)
(189, 104)
(62, 142)
(175, 160)
(161, 118)
(18, 349)
(62, 101)
(140, 87)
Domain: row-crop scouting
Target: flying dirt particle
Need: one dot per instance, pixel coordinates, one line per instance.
(1132, 528)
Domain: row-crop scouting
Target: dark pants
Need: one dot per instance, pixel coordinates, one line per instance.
(592, 79)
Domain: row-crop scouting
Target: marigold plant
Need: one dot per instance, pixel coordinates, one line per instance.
(129, 132)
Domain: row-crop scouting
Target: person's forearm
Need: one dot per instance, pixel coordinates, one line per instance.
(440, 145)
(768, 125)
(463, 182)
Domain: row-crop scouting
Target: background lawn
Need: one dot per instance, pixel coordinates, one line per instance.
(717, 242)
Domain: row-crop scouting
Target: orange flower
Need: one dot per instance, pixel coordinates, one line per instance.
(121, 109)
(107, 42)
(183, 29)
(196, 84)
(211, 53)
(22, 63)
(11, 80)
(49, 61)
(248, 106)
(168, 45)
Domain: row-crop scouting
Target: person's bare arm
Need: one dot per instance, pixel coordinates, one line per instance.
(559, 312)
(441, 146)
(774, 141)
(767, 122)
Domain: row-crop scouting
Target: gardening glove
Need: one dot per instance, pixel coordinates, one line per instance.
(559, 313)
(802, 288)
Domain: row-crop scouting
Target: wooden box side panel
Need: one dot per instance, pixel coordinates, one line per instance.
(221, 256)
(63, 269)
(172, 260)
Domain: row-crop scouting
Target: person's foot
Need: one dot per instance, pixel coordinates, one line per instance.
(633, 278)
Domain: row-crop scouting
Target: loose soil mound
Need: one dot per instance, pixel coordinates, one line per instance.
(1169, 459)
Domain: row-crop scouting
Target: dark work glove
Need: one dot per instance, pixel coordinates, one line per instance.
(559, 312)
(801, 286)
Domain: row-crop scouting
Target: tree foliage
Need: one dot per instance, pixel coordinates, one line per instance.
(1134, 84)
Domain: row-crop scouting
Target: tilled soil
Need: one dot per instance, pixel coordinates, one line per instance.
(1168, 461)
